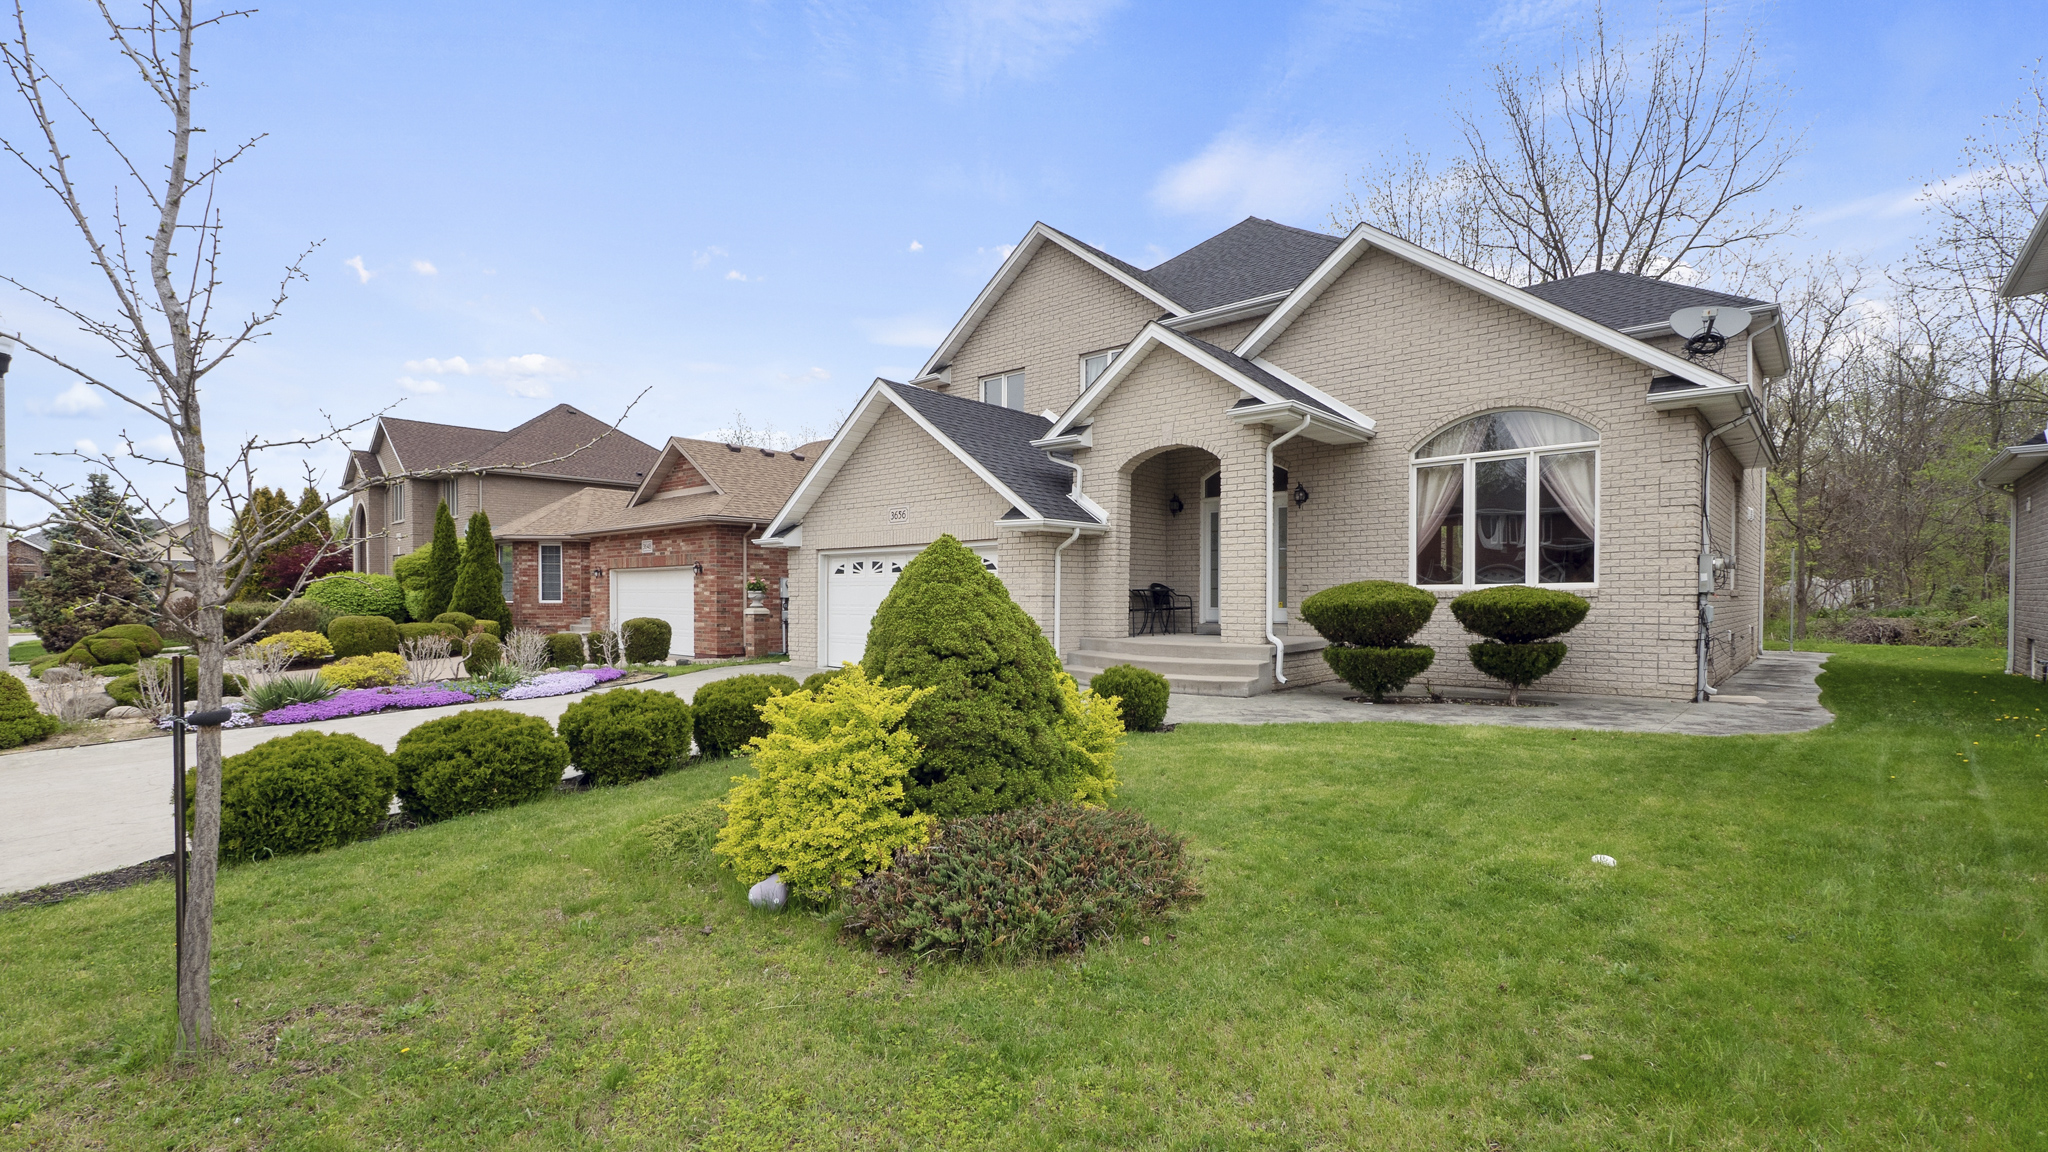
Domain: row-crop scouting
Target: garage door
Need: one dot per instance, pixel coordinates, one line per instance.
(855, 584)
(664, 593)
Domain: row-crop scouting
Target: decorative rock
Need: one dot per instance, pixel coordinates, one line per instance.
(771, 894)
(64, 674)
(126, 712)
(94, 705)
(1604, 861)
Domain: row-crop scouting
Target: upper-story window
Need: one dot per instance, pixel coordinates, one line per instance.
(398, 502)
(1006, 390)
(1479, 519)
(1096, 365)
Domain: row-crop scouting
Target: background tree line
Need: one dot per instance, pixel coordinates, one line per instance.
(1659, 157)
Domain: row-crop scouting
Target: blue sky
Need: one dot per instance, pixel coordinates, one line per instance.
(761, 206)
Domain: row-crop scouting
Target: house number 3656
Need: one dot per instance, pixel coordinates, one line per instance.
(899, 515)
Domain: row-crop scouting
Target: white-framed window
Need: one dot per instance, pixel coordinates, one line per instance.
(1096, 364)
(1006, 390)
(505, 571)
(551, 573)
(398, 502)
(1507, 498)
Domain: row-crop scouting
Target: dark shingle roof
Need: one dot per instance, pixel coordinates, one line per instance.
(615, 457)
(1622, 301)
(1000, 440)
(1264, 377)
(2040, 437)
(367, 464)
(1254, 257)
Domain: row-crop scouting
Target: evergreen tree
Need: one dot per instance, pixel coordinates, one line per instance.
(446, 566)
(479, 587)
(102, 518)
(84, 587)
(990, 732)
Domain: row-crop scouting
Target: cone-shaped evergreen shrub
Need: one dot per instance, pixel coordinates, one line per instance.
(1516, 619)
(989, 728)
(1368, 624)
(480, 586)
(728, 712)
(446, 565)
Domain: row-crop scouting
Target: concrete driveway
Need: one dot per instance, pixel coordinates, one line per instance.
(71, 812)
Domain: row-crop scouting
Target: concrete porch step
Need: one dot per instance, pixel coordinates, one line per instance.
(1197, 665)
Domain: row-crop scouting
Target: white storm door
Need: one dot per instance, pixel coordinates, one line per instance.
(664, 593)
(1278, 614)
(1212, 558)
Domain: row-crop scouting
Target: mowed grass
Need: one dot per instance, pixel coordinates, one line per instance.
(1832, 940)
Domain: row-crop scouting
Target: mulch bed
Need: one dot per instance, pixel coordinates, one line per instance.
(143, 873)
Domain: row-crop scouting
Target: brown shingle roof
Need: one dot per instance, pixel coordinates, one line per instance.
(751, 484)
(532, 447)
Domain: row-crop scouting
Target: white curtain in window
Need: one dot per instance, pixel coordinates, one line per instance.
(1437, 492)
(1526, 429)
(1568, 477)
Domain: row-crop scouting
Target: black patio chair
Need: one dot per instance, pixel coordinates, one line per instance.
(1166, 604)
(1140, 612)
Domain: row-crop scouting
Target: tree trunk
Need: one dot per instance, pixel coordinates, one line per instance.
(195, 992)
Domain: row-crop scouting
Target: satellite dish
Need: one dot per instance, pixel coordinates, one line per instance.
(1706, 329)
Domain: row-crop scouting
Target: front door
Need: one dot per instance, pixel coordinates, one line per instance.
(1212, 547)
(1279, 605)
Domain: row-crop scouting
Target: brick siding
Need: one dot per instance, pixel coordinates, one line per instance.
(2029, 627)
(1058, 308)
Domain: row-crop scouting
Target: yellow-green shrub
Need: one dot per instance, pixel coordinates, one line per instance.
(1092, 727)
(373, 671)
(302, 645)
(824, 805)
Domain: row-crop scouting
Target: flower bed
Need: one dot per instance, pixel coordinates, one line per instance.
(559, 683)
(362, 701)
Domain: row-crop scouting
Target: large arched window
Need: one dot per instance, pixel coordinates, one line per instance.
(1479, 519)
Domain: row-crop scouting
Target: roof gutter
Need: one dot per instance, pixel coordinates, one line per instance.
(1225, 313)
(1334, 429)
(1748, 409)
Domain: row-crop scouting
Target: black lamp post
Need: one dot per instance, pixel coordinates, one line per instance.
(181, 724)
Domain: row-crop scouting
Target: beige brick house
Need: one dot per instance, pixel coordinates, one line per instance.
(2022, 471)
(1200, 445)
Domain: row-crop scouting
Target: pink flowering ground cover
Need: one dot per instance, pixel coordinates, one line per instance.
(362, 701)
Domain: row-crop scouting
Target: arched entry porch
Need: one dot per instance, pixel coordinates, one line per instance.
(1176, 513)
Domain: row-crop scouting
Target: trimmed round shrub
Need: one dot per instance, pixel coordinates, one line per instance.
(1378, 671)
(111, 650)
(302, 615)
(302, 793)
(825, 804)
(363, 635)
(20, 722)
(1369, 613)
(1517, 665)
(1519, 614)
(565, 650)
(415, 631)
(359, 594)
(302, 645)
(463, 621)
(990, 727)
(728, 712)
(647, 640)
(1038, 881)
(476, 761)
(377, 670)
(1141, 693)
(489, 628)
(817, 680)
(128, 690)
(113, 670)
(625, 734)
(485, 653)
(148, 641)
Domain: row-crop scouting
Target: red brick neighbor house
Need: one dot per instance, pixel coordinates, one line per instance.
(678, 547)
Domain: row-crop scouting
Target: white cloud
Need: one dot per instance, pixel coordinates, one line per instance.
(530, 389)
(1237, 175)
(704, 258)
(362, 274)
(424, 267)
(529, 375)
(904, 331)
(452, 366)
(977, 41)
(537, 315)
(87, 447)
(818, 374)
(916, 247)
(423, 386)
(77, 400)
(736, 274)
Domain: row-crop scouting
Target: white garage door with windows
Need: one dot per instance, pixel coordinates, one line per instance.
(855, 585)
(664, 593)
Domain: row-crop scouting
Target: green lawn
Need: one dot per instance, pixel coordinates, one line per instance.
(1832, 940)
(25, 652)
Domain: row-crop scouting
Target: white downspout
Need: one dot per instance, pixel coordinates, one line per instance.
(1706, 609)
(1272, 558)
(1057, 558)
(2012, 572)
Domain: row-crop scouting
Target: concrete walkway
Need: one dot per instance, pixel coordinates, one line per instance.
(71, 812)
(1782, 681)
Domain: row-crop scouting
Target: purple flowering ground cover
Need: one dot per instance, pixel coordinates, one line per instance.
(560, 683)
(362, 701)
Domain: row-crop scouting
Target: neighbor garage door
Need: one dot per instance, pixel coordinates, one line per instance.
(664, 593)
(855, 583)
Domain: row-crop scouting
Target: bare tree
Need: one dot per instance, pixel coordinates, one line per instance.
(1645, 161)
(164, 331)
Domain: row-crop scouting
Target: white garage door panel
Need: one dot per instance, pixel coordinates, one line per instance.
(855, 585)
(664, 593)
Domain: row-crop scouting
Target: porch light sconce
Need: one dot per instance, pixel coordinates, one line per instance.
(698, 568)
(1300, 494)
(1173, 504)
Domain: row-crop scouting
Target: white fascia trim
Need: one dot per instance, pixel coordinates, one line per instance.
(1336, 405)
(795, 539)
(1014, 264)
(1040, 524)
(1365, 237)
(1225, 313)
(1322, 427)
(1721, 404)
(2011, 464)
(2030, 272)
(1156, 334)
(1083, 438)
